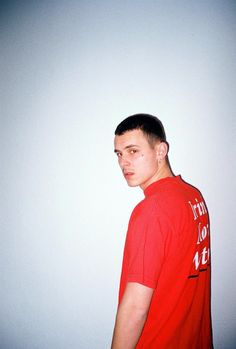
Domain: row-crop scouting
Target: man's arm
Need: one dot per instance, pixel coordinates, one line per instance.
(131, 315)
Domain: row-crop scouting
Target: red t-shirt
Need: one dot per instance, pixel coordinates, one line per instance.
(168, 249)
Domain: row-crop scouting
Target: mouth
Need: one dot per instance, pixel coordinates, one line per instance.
(128, 174)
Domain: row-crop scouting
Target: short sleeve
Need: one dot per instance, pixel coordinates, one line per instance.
(145, 246)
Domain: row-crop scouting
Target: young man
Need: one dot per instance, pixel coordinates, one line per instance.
(164, 297)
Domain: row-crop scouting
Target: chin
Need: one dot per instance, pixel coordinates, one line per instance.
(130, 184)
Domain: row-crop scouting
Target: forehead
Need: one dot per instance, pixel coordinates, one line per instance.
(133, 137)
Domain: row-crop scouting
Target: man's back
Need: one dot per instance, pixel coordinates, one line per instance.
(168, 249)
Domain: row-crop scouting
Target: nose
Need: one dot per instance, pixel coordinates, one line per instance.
(123, 161)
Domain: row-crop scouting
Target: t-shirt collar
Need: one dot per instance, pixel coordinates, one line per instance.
(152, 188)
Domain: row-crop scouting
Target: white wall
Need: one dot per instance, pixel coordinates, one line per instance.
(70, 72)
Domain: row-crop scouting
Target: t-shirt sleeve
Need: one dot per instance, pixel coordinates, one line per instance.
(145, 246)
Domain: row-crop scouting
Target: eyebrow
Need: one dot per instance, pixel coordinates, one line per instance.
(127, 147)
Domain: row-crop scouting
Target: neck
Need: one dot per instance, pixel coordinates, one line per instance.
(163, 171)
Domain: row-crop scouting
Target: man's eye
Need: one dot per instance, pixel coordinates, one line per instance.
(118, 154)
(133, 151)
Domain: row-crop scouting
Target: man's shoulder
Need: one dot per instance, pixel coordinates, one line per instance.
(174, 195)
(179, 189)
(145, 206)
(146, 203)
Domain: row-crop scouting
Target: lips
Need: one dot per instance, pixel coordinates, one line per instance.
(128, 174)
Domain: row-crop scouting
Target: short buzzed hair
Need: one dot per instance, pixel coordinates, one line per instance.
(150, 125)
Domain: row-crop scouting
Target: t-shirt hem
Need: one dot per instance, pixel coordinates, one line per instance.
(143, 281)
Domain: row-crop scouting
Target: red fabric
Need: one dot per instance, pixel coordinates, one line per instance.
(167, 249)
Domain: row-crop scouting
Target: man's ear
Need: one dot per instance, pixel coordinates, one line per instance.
(162, 151)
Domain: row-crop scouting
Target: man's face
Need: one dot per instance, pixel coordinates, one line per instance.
(137, 159)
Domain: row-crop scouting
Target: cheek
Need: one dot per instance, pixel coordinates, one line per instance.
(140, 162)
(138, 158)
(143, 159)
(148, 162)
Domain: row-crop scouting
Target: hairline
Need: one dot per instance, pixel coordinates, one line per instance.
(150, 137)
